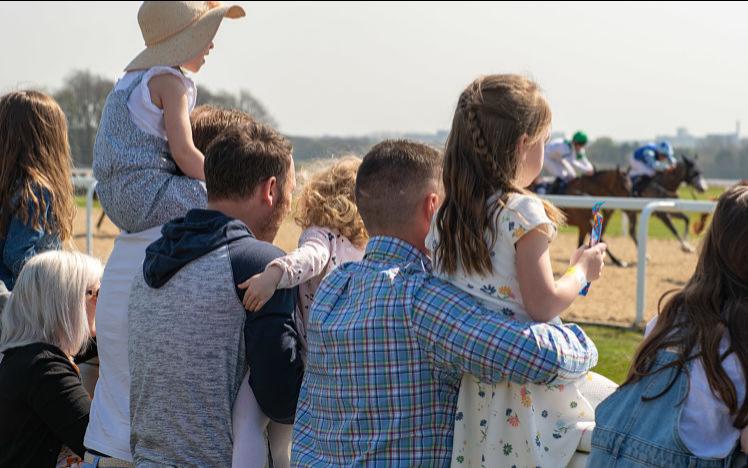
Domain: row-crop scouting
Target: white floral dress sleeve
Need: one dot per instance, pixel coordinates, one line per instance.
(522, 214)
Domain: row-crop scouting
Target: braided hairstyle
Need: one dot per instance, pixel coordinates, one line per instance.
(481, 159)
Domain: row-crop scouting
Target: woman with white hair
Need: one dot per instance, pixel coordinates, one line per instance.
(48, 319)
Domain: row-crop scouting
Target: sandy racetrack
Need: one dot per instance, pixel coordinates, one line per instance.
(612, 299)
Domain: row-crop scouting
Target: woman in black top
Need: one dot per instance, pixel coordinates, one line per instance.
(49, 317)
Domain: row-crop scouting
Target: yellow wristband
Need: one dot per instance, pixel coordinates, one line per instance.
(581, 278)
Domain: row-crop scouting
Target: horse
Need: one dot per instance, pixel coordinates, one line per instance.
(700, 224)
(605, 183)
(665, 185)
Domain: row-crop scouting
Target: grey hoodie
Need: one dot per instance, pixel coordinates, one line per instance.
(190, 341)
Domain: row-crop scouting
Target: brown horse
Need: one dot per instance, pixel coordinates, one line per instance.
(607, 183)
(665, 185)
(700, 224)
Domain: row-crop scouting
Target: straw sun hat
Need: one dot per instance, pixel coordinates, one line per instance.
(176, 32)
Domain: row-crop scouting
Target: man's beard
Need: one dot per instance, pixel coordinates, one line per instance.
(269, 229)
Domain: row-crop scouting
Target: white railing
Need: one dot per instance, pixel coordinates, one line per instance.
(647, 206)
(88, 183)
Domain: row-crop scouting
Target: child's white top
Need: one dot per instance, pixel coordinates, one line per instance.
(706, 424)
(145, 115)
(320, 251)
(500, 290)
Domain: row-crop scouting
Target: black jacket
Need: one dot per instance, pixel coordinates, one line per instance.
(43, 405)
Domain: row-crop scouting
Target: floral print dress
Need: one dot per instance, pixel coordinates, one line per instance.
(506, 424)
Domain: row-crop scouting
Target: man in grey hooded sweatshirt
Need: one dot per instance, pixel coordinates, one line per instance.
(190, 338)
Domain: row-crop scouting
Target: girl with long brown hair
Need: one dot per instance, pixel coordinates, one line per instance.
(683, 402)
(490, 238)
(36, 193)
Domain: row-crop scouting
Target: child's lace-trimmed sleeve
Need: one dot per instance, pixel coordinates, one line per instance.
(308, 260)
(523, 214)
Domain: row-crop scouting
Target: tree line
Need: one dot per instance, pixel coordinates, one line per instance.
(83, 94)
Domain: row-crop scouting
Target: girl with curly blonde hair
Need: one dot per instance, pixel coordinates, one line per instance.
(333, 234)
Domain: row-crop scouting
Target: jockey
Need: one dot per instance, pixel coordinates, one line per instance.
(647, 161)
(563, 158)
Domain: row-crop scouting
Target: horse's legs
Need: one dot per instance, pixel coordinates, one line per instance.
(616, 261)
(698, 228)
(101, 220)
(632, 216)
(684, 246)
(686, 220)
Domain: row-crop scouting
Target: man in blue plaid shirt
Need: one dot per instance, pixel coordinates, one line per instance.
(389, 343)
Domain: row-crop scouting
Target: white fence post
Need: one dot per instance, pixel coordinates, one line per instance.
(89, 183)
(89, 217)
(641, 264)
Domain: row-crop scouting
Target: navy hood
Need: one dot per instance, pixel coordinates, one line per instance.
(186, 239)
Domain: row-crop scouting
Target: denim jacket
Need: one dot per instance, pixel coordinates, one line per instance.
(21, 241)
(632, 431)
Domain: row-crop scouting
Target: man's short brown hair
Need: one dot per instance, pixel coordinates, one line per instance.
(241, 157)
(209, 121)
(391, 181)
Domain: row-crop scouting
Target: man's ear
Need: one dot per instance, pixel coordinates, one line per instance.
(269, 191)
(431, 205)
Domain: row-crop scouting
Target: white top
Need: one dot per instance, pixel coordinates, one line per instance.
(320, 251)
(706, 424)
(562, 161)
(638, 168)
(500, 290)
(558, 149)
(145, 115)
(109, 419)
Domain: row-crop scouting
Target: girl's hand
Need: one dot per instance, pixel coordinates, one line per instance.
(575, 256)
(260, 288)
(590, 260)
(744, 440)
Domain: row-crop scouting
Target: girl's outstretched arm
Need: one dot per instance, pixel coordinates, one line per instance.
(544, 297)
(300, 265)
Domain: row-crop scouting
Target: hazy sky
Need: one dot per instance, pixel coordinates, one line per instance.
(626, 70)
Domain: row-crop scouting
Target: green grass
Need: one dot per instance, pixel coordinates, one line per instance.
(657, 228)
(80, 202)
(616, 348)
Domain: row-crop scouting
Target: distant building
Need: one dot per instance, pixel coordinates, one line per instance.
(685, 140)
(723, 140)
(682, 138)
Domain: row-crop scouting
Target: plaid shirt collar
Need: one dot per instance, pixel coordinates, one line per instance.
(386, 249)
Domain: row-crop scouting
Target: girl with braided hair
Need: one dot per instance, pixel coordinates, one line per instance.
(490, 238)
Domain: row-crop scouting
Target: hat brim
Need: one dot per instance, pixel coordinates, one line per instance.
(187, 44)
